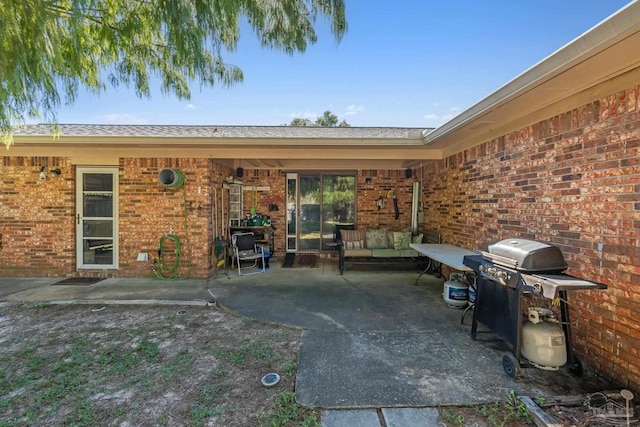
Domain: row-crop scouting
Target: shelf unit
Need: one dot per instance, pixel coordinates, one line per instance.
(235, 204)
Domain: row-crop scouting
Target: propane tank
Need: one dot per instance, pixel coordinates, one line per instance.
(543, 340)
(455, 292)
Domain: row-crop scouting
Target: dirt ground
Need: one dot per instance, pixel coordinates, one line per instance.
(143, 366)
(114, 365)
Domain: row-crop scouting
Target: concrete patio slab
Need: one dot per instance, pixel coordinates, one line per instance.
(372, 339)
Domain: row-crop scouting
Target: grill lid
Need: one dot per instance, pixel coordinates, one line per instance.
(529, 255)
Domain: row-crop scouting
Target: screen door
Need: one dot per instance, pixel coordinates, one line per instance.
(96, 218)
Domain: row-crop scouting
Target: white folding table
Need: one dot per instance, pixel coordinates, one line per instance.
(444, 254)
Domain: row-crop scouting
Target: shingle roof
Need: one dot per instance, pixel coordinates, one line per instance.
(176, 131)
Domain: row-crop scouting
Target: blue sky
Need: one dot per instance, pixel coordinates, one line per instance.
(413, 63)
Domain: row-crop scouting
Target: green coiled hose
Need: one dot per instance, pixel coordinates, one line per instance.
(174, 271)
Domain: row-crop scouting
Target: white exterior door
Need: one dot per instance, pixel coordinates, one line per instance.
(97, 218)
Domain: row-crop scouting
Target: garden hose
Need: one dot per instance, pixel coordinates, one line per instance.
(175, 179)
(162, 270)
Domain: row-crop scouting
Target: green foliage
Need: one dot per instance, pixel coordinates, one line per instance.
(502, 414)
(453, 419)
(290, 367)
(287, 412)
(286, 409)
(328, 119)
(50, 49)
(202, 409)
(251, 350)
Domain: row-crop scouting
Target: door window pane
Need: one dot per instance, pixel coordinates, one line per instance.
(97, 182)
(98, 205)
(98, 252)
(310, 212)
(338, 204)
(98, 228)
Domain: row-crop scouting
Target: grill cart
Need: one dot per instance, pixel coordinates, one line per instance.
(514, 267)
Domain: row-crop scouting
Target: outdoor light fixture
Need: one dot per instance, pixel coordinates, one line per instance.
(53, 173)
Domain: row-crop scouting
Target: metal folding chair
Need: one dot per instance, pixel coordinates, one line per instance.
(245, 249)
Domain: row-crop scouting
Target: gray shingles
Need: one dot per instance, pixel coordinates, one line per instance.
(174, 131)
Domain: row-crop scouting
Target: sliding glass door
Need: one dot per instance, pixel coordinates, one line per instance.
(310, 205)
(338, 204)
(316, 202)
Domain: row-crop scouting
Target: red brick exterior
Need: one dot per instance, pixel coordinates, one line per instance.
(574, 181)
(36, 218)
(367, 214)
(38, 215)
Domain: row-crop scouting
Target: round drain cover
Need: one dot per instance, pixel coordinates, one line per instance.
(270, 380)
(181, 313)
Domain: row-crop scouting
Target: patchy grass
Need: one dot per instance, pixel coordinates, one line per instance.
(510, 413)
(68, 365)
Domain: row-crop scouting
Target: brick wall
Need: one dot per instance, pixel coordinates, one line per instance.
(381, 182)
(37, 217)
(148, 210)
(574, 181)
(367, 213)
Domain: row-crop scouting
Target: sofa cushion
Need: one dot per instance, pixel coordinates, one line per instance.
(384, 253)
(376, 239)
(409, 253)
(353, 239)
(417, 239)
(354, 244)
(401, 240)
(357, 252)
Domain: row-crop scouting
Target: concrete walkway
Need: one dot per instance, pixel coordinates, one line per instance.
(375, 348)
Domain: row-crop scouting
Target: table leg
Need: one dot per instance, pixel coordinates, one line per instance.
(426, 269)
(431, 264)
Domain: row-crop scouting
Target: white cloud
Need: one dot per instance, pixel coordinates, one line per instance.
(354, 109)
(307, 115)
(123, 119)
(435, 120)
(191, 107)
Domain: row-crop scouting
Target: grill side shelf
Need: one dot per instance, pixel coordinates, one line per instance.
(550, 284)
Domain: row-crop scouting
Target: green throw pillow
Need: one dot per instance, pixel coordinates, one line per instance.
(401, 240)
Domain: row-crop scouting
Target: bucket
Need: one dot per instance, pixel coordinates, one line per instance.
(455, 294)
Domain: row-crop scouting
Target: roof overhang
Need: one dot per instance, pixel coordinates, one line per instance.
(318, 149)
(598, 63)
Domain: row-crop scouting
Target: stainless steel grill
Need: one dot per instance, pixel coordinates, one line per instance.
(535, 266)
(514, 267)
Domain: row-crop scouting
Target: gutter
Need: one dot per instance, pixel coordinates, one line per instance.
(613, 29)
